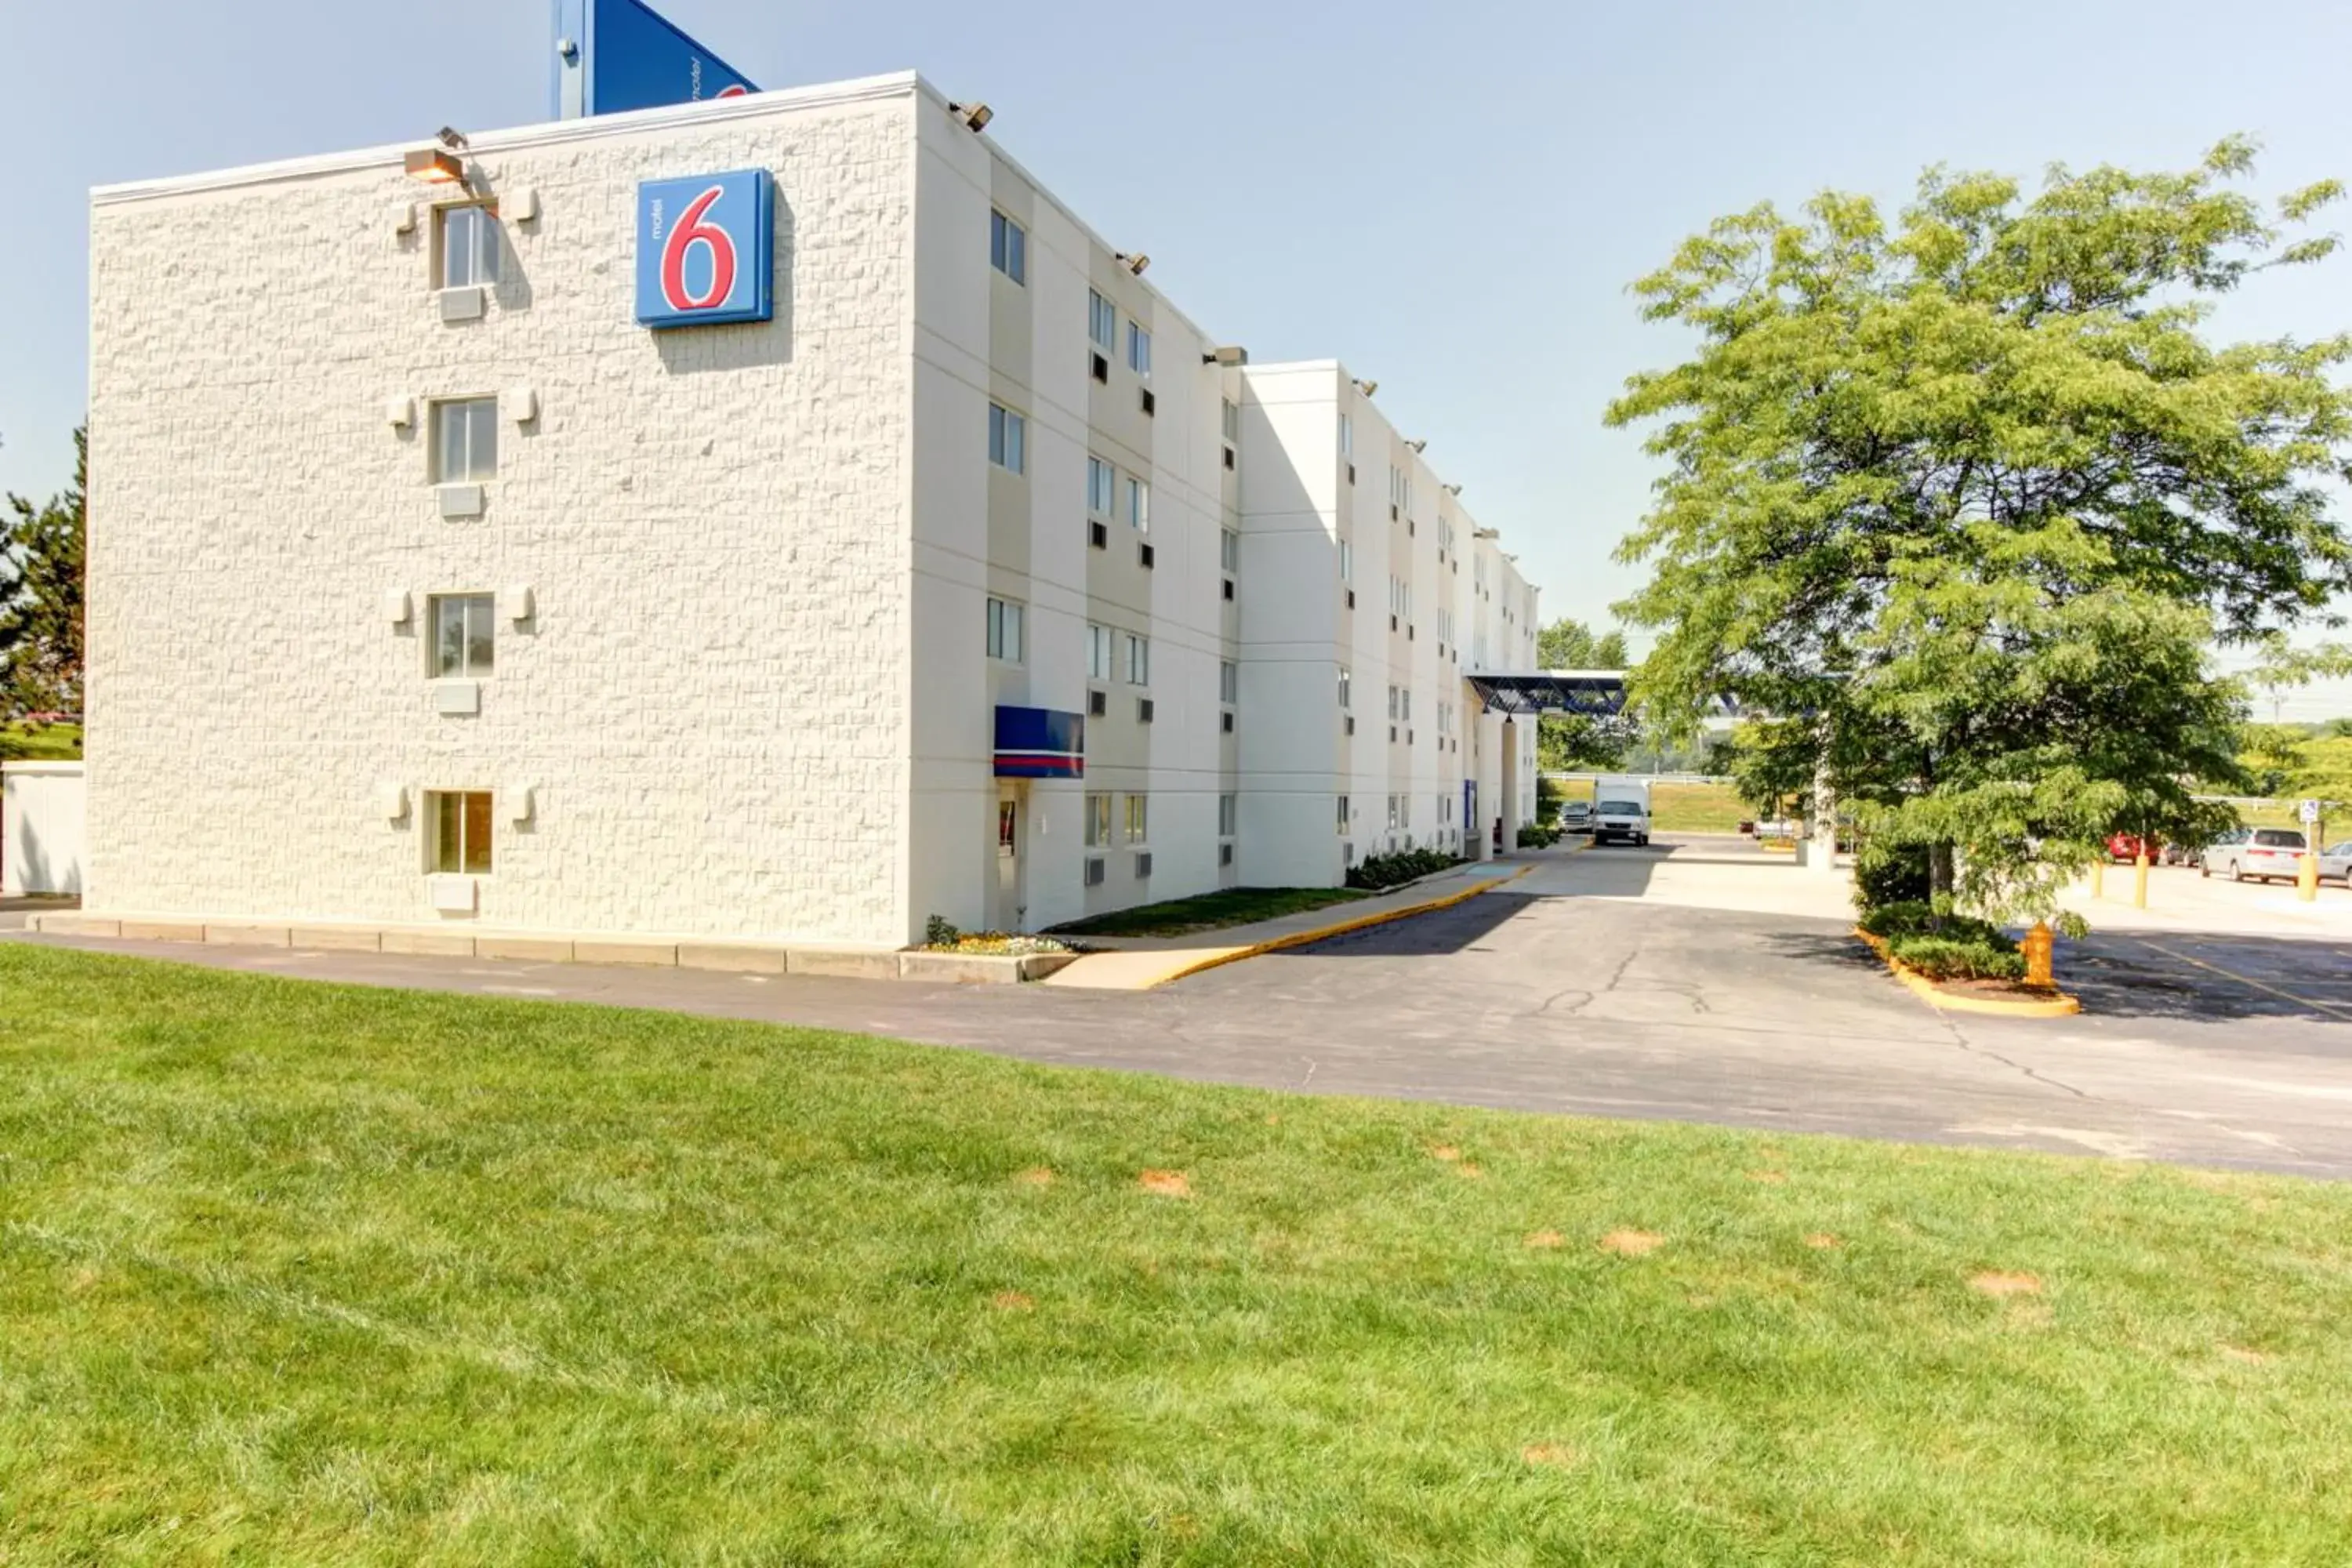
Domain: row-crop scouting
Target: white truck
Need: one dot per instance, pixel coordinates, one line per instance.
(1621, 809)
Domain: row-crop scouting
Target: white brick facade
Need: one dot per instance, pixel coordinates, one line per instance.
(750, 698)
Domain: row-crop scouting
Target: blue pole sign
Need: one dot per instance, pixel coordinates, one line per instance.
(706, 249)
(613, 56)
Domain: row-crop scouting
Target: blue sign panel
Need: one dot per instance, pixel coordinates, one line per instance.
(706, 249)
(1040, 744)
(613, 56)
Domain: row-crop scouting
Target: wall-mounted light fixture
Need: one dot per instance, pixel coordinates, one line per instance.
(1450, 489)
(1135, 264)
(1418, 445)
(434, 166)
(975, 116)
(1367, 387)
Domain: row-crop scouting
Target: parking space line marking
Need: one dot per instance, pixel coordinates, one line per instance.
(2335, 1008)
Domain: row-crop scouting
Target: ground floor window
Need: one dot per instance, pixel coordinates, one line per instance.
(1138, 819)
(1098, 821)
(1229, 814)
(461, 831)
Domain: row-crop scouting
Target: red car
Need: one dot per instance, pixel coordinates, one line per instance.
(2128, 847)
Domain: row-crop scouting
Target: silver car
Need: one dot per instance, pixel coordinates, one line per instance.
(2335, 863)
(2255, 854)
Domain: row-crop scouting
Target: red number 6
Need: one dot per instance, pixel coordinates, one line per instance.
(691, 229)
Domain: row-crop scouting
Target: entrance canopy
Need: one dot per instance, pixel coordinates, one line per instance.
(1553, 691)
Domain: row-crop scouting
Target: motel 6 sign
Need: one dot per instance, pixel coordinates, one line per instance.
(706, 249)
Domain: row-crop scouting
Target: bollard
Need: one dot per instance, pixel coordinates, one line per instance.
(2038, 944)
(2139, 881)
(2099, 877)
(2306, 877)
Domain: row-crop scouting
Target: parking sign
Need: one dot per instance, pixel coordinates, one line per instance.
(2310, 811)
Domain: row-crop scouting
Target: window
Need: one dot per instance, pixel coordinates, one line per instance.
(1008, 248)
(1005, 630)
(1346, 683)
(467, 255)
(1145, 710)
(461, 831)
(1229, 550)
(1097, 821)
(1405, 703)
(1229, 815)
(1393, 814)
(1097, 653)
(466, 440)
(1008, 433)
(1392, 702)
(1229, 681)
(1102, 322)
(1138, 505)
(462, 634)
(1139, 660)
(1232, 421)
(1347, 436)
(1095, 873)
(1396, 486)
(1102, 486)
(1138, 349)
(1139, 818)
(1347, 561)
(1343, 813)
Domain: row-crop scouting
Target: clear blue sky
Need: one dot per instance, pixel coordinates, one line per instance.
(1452, 198)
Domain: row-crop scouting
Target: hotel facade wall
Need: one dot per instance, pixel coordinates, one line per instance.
(710, 703)
(753, 696)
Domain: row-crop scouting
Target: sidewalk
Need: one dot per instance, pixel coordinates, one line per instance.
(1139, 964)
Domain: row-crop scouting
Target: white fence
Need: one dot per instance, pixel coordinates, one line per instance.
(41, 837)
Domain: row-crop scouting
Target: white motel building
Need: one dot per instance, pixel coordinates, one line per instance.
(770, 519)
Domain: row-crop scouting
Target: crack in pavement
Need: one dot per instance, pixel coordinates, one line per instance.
(1960, 1039)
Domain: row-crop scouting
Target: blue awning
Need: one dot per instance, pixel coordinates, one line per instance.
(1040, 744)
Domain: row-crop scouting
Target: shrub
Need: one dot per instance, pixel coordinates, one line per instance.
(1890, 874)
(1538, 834)
(940, 932)
(1376, 871)
(1914, 919)
(1961, 958)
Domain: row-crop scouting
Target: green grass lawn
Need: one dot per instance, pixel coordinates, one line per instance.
(301, 1273)
(1210, 912)
(1697, 808)
(43, 744)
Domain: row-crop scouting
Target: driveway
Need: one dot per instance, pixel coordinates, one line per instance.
(1696, 979)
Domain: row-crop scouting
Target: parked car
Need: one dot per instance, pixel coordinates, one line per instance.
(2128, 847)
(2179, 854)
(2335, 863)
(2259, 854)
(1576, 816)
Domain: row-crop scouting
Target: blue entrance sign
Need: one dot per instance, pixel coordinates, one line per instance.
(1040, 744)
(706, 249)
(613, 56)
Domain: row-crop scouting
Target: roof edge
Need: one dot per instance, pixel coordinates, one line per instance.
(552, 133)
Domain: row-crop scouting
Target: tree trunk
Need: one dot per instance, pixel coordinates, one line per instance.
(1939, 878)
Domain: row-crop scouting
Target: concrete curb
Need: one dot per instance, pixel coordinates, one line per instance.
(1214, 959)
(2060, 1005)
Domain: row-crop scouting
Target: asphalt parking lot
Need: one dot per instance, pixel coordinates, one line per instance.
(1695, 980)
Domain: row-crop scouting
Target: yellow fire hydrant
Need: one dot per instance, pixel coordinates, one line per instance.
(2038, 945)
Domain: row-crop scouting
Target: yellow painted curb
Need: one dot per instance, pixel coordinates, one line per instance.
(1362, 923)
(2057, 1007)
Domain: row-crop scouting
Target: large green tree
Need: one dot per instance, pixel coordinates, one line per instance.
(1964, 497)
(41, 576)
